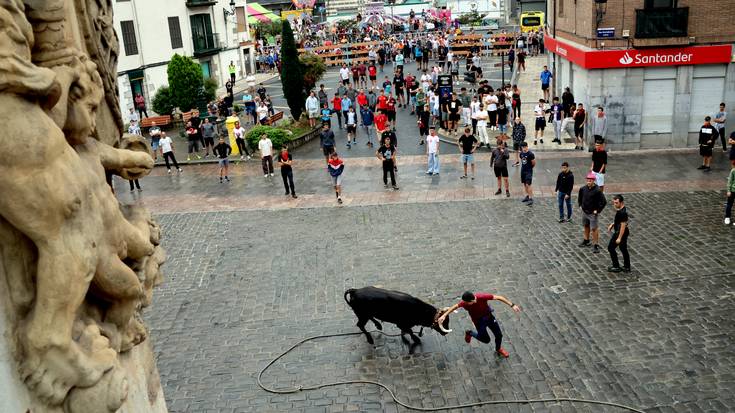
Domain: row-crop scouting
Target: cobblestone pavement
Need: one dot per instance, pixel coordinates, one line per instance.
(253, 275)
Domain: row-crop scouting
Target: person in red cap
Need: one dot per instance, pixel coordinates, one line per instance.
(482, 317)
(592, 201)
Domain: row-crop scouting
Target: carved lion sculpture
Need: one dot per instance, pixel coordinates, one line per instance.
(78, 265)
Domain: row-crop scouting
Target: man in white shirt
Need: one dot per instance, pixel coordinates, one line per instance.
(266, 155)
(155, 133)
(167, 148)
(432, 152)
(540, 113)
(344, 74)
(492, 111)
(133, 117)
(262, 112)
(312, 108)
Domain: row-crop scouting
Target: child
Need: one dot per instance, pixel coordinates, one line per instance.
(335, 166)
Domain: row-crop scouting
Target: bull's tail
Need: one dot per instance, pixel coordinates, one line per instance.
(350, 293)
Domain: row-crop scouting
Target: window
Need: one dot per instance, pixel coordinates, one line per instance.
(174, 29)
(561, 7)
(659, 4)
(128, 34)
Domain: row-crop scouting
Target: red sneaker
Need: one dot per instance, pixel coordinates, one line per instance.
(467, 336)
(503, 353)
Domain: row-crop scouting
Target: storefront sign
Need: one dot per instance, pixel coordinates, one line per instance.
(675, 56)
(606, 32)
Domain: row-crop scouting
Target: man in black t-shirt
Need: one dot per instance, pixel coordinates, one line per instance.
(284, 161)
(387, 154)
(398, 84)
(467, 143)
(619, 237)
(707, 135)
(223, 151)
(599, 164)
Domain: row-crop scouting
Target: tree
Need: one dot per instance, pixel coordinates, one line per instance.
(313, 68)
(162, 103)
(292, 78)
(185, 82)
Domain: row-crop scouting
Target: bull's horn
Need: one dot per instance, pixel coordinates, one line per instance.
(442, 329)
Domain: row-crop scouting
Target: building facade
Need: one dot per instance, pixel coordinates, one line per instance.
(657, 67)
(150, 32)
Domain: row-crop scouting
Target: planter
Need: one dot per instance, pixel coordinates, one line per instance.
(303, 139)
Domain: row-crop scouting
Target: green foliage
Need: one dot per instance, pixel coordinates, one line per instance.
(271, 28)
(237, 108)
(278, 136)
(162, 103)
(292, 78)
(313, 68)
(471, 18)
(185, 81)
(210, 89)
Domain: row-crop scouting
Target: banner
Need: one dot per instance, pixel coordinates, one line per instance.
(674, 56)
(290, 15)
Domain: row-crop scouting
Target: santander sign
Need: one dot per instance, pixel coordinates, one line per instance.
(601, 59)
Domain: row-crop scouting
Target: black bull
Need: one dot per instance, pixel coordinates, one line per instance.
(401, 309)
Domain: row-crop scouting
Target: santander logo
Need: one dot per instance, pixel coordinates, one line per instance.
(626, 59)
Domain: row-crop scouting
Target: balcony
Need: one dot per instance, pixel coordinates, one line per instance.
(200, 3)
(657, 23)
(206, 44)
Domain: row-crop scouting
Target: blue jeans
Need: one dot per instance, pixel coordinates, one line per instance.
(433, 163)
(482, 325)
(560, 200)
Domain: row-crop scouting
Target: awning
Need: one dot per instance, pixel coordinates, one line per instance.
(258, 13)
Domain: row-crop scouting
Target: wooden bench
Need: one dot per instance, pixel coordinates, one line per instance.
(275, 118)
(160, 121)
(186, 116)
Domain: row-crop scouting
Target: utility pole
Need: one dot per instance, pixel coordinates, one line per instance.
(553, 55)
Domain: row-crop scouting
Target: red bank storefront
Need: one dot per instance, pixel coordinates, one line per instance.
(654, 98)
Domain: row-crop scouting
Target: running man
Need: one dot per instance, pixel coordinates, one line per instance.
(335, 166)
(482, 317)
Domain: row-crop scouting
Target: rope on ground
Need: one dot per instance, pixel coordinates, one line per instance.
(406, 405)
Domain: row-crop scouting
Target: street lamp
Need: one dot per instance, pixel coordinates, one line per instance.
(230, 12)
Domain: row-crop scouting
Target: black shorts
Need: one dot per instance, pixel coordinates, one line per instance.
(209, 141)
(399, 91)
(328, 149)
(526, 177)
(578, 131)
(453, 117)
(540, 123)
(351, 128)
(705, 150)
(516, 146)
(501, 172)
(391, 115)
(425, 58)
(424, 131)
(345, 81)
(373, 77)
(544, 86)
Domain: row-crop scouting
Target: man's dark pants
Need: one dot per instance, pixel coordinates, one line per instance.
(267, 163)
(287, 176)
(623, 248)
(482, 325)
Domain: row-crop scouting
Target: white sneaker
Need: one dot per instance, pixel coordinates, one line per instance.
(169, 172)
(727, 221)
(265, 176)
(271, 175)
(249, 158)
(242, 157)
(181, 170)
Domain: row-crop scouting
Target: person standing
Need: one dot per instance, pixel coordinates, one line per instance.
(516, 101)
(265, 146)
(580, 118)
(476, 304)
(208, 132)
(387, 153)
(619, 238)
(140, 105)
(167, 149)
(367, 122)
(491, 104)
(545, 82)
(192, 137)
(719, 123)
(242, 146)
(519, 137)
(557, 113)
(312, 108)
(467, 143)
(322, 95)
(563, 189)
(432, 152)
(344, 74)
(598, 125)
(222, 151)
(499, 163)
(284, 162)
(599, 164)
(232, 69)
(336, 167)
(540, 113)
(155, 133)
(351, 123)
(134, 183)
(503, 118)
(707, 136)
(423, 122)
(591, 201)
(464, 99)
(454, 107)
(528, 162)
(326, 141)
(730, 192)
(337, 108)
(326, 115)
(567, 102)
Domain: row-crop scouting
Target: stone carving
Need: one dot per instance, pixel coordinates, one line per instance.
(78, 266)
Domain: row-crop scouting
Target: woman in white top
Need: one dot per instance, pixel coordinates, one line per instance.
(492, 111)
(474, 110)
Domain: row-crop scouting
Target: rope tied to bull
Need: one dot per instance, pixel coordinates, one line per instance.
(301, 388)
